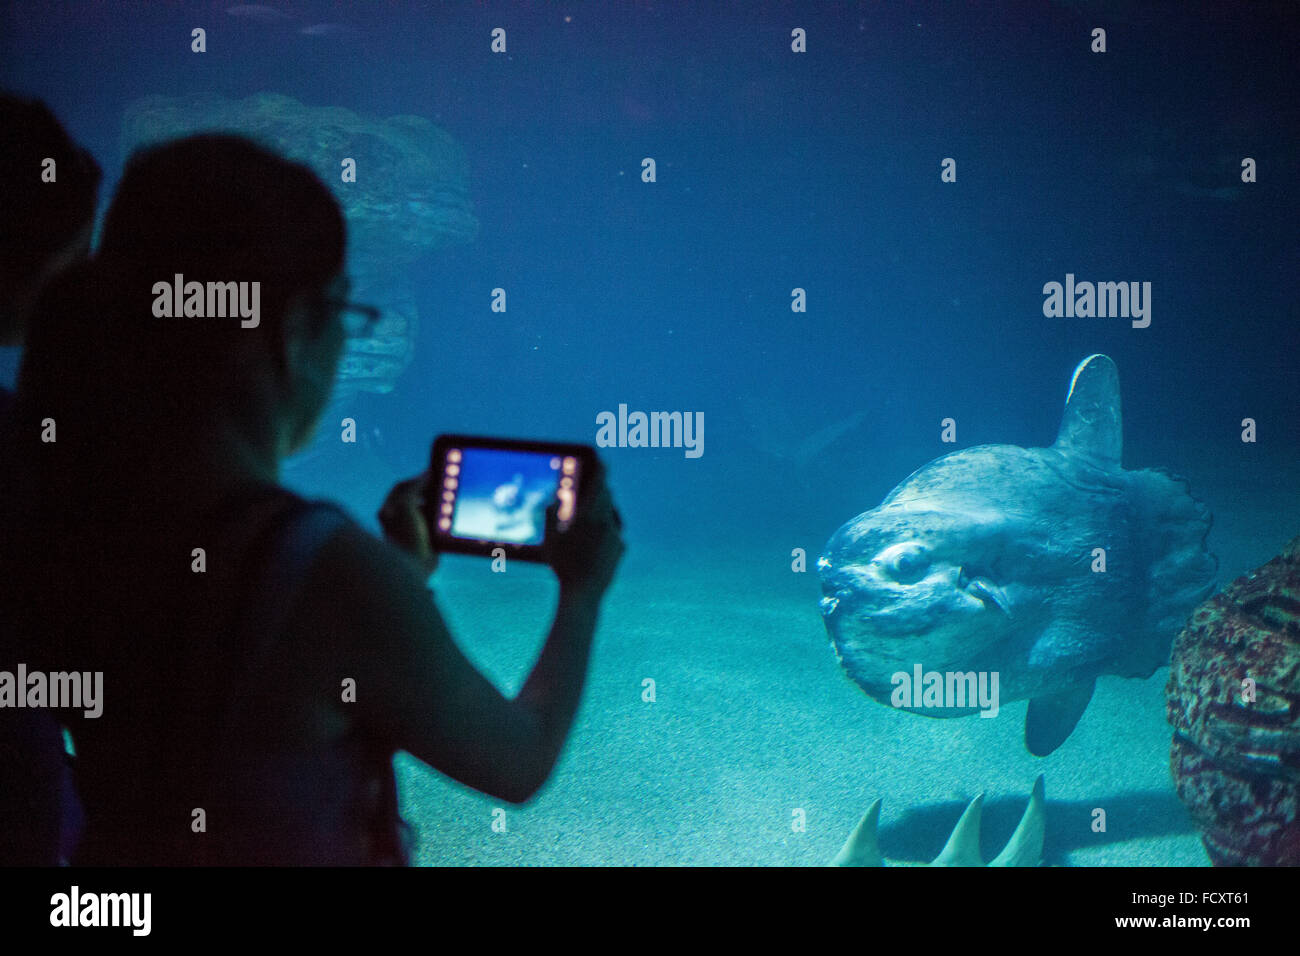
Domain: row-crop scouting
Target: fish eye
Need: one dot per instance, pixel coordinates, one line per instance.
(905, 563)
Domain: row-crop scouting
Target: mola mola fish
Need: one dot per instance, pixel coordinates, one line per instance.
(1046, 567)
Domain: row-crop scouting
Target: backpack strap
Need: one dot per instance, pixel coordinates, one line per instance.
(288, 548)
(297, 539)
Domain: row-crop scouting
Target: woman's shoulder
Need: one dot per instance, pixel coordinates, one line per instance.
(347, 575)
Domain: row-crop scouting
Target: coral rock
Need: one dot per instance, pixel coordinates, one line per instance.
(1233, 699)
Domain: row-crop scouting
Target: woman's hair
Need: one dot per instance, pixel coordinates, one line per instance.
(217, 207)
(211, 208)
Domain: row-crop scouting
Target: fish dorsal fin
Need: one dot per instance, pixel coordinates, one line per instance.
(1091, 426)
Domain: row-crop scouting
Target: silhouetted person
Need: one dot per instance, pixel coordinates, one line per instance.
(49, 189)
(226, 706)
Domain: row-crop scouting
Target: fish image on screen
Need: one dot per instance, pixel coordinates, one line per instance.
(503, 495)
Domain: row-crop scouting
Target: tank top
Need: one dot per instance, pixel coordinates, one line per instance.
(233, 798)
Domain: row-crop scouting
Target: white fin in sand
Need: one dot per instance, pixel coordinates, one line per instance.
(1025, 848)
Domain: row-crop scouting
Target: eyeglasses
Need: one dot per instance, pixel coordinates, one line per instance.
(358, 320)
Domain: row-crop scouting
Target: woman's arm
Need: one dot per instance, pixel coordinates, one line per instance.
(416, 687)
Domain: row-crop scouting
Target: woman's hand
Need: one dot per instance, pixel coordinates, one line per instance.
(585, 556)
(402, 518)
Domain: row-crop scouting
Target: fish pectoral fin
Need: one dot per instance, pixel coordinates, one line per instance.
(1051, 718)
(990, 593)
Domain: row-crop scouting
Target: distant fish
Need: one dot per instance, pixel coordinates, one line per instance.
(333, 31)
(773, 431)
(258, 14)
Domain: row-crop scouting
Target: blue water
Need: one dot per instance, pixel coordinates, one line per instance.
(779, 171)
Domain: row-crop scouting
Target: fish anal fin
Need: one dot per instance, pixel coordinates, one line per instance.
(1052, 717)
